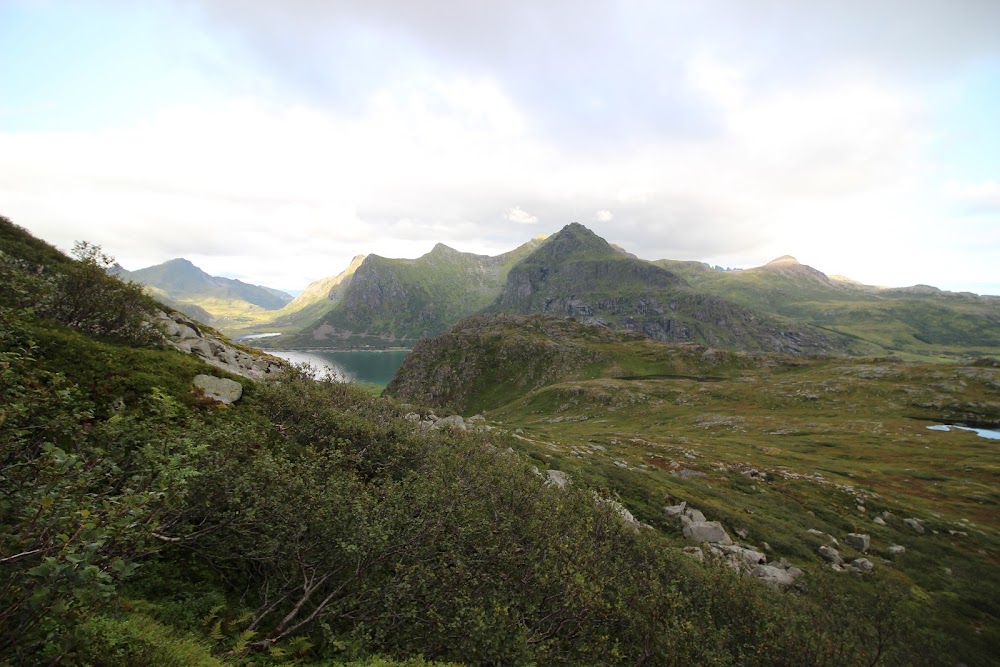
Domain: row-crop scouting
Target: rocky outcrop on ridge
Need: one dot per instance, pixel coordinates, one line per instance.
(714, 542)
(188, 336)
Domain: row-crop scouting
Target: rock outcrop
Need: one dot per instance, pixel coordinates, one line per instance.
(186, 335)
(716, 543)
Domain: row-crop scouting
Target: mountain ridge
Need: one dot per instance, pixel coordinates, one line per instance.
(183, 283)
(576, 273)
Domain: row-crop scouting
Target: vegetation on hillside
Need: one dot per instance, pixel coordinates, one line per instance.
(920, 322)
(771, 445)
(313, 523)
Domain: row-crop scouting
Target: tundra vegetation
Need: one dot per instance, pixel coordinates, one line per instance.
(313, 523)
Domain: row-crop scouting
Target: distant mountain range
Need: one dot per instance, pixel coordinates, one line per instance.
(191, 290)
(782, 306)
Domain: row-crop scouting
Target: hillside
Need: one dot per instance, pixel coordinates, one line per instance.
(790, 454)
(182, 283)
(395, 302)
(313, 303)
(143, 521)
(575, 273)
(917, 321)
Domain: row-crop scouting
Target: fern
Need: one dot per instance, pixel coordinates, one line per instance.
(243, 640)
(299, 646)
(216, 632)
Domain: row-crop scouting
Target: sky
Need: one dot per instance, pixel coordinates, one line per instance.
(272, 141)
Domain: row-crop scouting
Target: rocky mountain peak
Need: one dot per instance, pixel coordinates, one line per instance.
(574, 241)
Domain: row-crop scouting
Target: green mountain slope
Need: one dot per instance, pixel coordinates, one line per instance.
(313, 303)
(575, 273)
(921, 320)
(183, 283)
(395, 302)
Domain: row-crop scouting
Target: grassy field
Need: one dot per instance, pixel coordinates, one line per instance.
(827, 445)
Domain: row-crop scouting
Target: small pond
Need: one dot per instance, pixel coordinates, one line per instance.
(981, 432)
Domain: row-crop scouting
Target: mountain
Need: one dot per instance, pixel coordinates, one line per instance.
(395, 302)
(315, 301)
(575, 273)
(184, 284)
(918, 320)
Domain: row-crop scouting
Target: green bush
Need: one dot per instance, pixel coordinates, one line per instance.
(87, 298)
(138, 641)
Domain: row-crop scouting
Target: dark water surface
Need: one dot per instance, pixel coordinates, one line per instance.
(374, 366)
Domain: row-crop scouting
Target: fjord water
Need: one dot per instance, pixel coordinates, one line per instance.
(373, 366)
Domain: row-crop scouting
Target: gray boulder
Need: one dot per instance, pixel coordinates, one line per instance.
(219, 389)
(745, 558)
(878, 521)
(200, 347)
(862, 565)
(706, 531)
(858, 541)
(830, 555)
(675, 511)
(830, 539)
(897, 549)
(914, 525)
(452, 422)
(776, 576)
(557, 478)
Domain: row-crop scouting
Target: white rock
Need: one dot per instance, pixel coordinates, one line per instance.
(219, 389)
(830, 554)
(776, 576)
(557, 478)
(707, 531)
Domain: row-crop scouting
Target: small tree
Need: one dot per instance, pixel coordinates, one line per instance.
(91, 300)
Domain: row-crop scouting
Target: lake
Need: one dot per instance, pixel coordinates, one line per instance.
(374, 366)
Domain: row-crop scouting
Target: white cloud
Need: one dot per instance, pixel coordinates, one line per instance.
(520, 216)
(383, 126)
(975, 197)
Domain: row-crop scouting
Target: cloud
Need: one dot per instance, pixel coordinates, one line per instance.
(688, 130)
(520, 216)
(975, 198)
